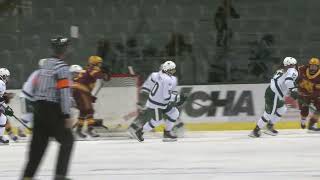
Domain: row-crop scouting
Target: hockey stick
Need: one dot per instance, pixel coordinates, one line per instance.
(99, 88)
(21, 122)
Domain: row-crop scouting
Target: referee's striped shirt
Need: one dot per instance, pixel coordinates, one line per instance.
(54, 84)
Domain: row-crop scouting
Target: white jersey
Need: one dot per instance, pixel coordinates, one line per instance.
(282, 82)
(2, 90)
(163, 90)
(148, 83)
(28, 86)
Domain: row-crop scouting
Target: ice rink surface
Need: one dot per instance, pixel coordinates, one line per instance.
(293, 155)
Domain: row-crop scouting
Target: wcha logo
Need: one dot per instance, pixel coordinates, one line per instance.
(231, 106)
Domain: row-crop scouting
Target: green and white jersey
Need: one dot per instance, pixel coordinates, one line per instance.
(163, 91)
(283, 81)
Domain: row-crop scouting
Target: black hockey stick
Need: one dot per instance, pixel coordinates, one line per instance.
(21, 122)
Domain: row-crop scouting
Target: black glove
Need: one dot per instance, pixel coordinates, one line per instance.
(183, 98)
(294, 94)
(8, 112)
(93, 99)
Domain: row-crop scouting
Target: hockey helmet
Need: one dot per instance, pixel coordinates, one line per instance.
(169, 67)
(75, 68)
(4, 74)
(95, 60)
(289, 61)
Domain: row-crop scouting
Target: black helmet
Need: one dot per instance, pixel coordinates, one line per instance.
(59, 44)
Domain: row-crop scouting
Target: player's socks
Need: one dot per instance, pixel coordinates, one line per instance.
(169, 124)
(149, 126)
(256, 132)
(79, 128)
(12, 136)
(262, 122)
(21, 133)
(303, 122)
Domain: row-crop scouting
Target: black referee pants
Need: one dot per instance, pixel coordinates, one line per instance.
(49, 122)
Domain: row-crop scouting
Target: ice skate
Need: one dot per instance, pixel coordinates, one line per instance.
(313, 129)
(137, 134)
(79, 133)
(256, 132)
(92, 132)
(168, 136)
(3, 140)
(270, 130)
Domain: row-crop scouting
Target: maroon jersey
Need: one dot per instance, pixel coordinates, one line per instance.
(309, 85)
(86, 80)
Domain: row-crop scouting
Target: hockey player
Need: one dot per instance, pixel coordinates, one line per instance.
(282, 83)
(82, 93)
(162, 100)
(75, 70)
(8, 111)
(27, 99)
(143, 117)
(4, 75)
(309, 93)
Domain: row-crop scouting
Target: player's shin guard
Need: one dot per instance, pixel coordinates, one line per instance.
(263, 120)
(150, 125)
(3, 121)
(79, 128)
(10, 132)
(170, 124)
(303, 122)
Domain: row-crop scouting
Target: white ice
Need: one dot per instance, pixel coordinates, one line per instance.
(293, 155)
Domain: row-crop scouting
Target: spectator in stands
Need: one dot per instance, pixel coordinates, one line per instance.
(261, 57)
(108, 54)
(177, 45)
(221, 22)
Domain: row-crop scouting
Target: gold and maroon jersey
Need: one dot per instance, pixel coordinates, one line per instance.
(309, 85)
(86, 80)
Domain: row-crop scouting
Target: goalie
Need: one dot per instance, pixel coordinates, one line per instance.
(309, 93)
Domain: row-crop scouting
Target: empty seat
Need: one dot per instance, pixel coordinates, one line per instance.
(5, 58)
(31, 42)
(9, 42)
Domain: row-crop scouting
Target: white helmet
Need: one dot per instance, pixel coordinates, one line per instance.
(41, 62)
(75, 68)
(169, 67)
(4, 74)
(289, 61)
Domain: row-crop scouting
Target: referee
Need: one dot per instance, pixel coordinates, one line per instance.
(52, 94)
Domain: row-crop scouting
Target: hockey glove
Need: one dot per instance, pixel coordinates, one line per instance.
(93, 99)
(294, 93)
(183, 98)
(8, 112)
(7, 97)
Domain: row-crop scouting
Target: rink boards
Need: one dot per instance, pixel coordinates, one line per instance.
(209, 107)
